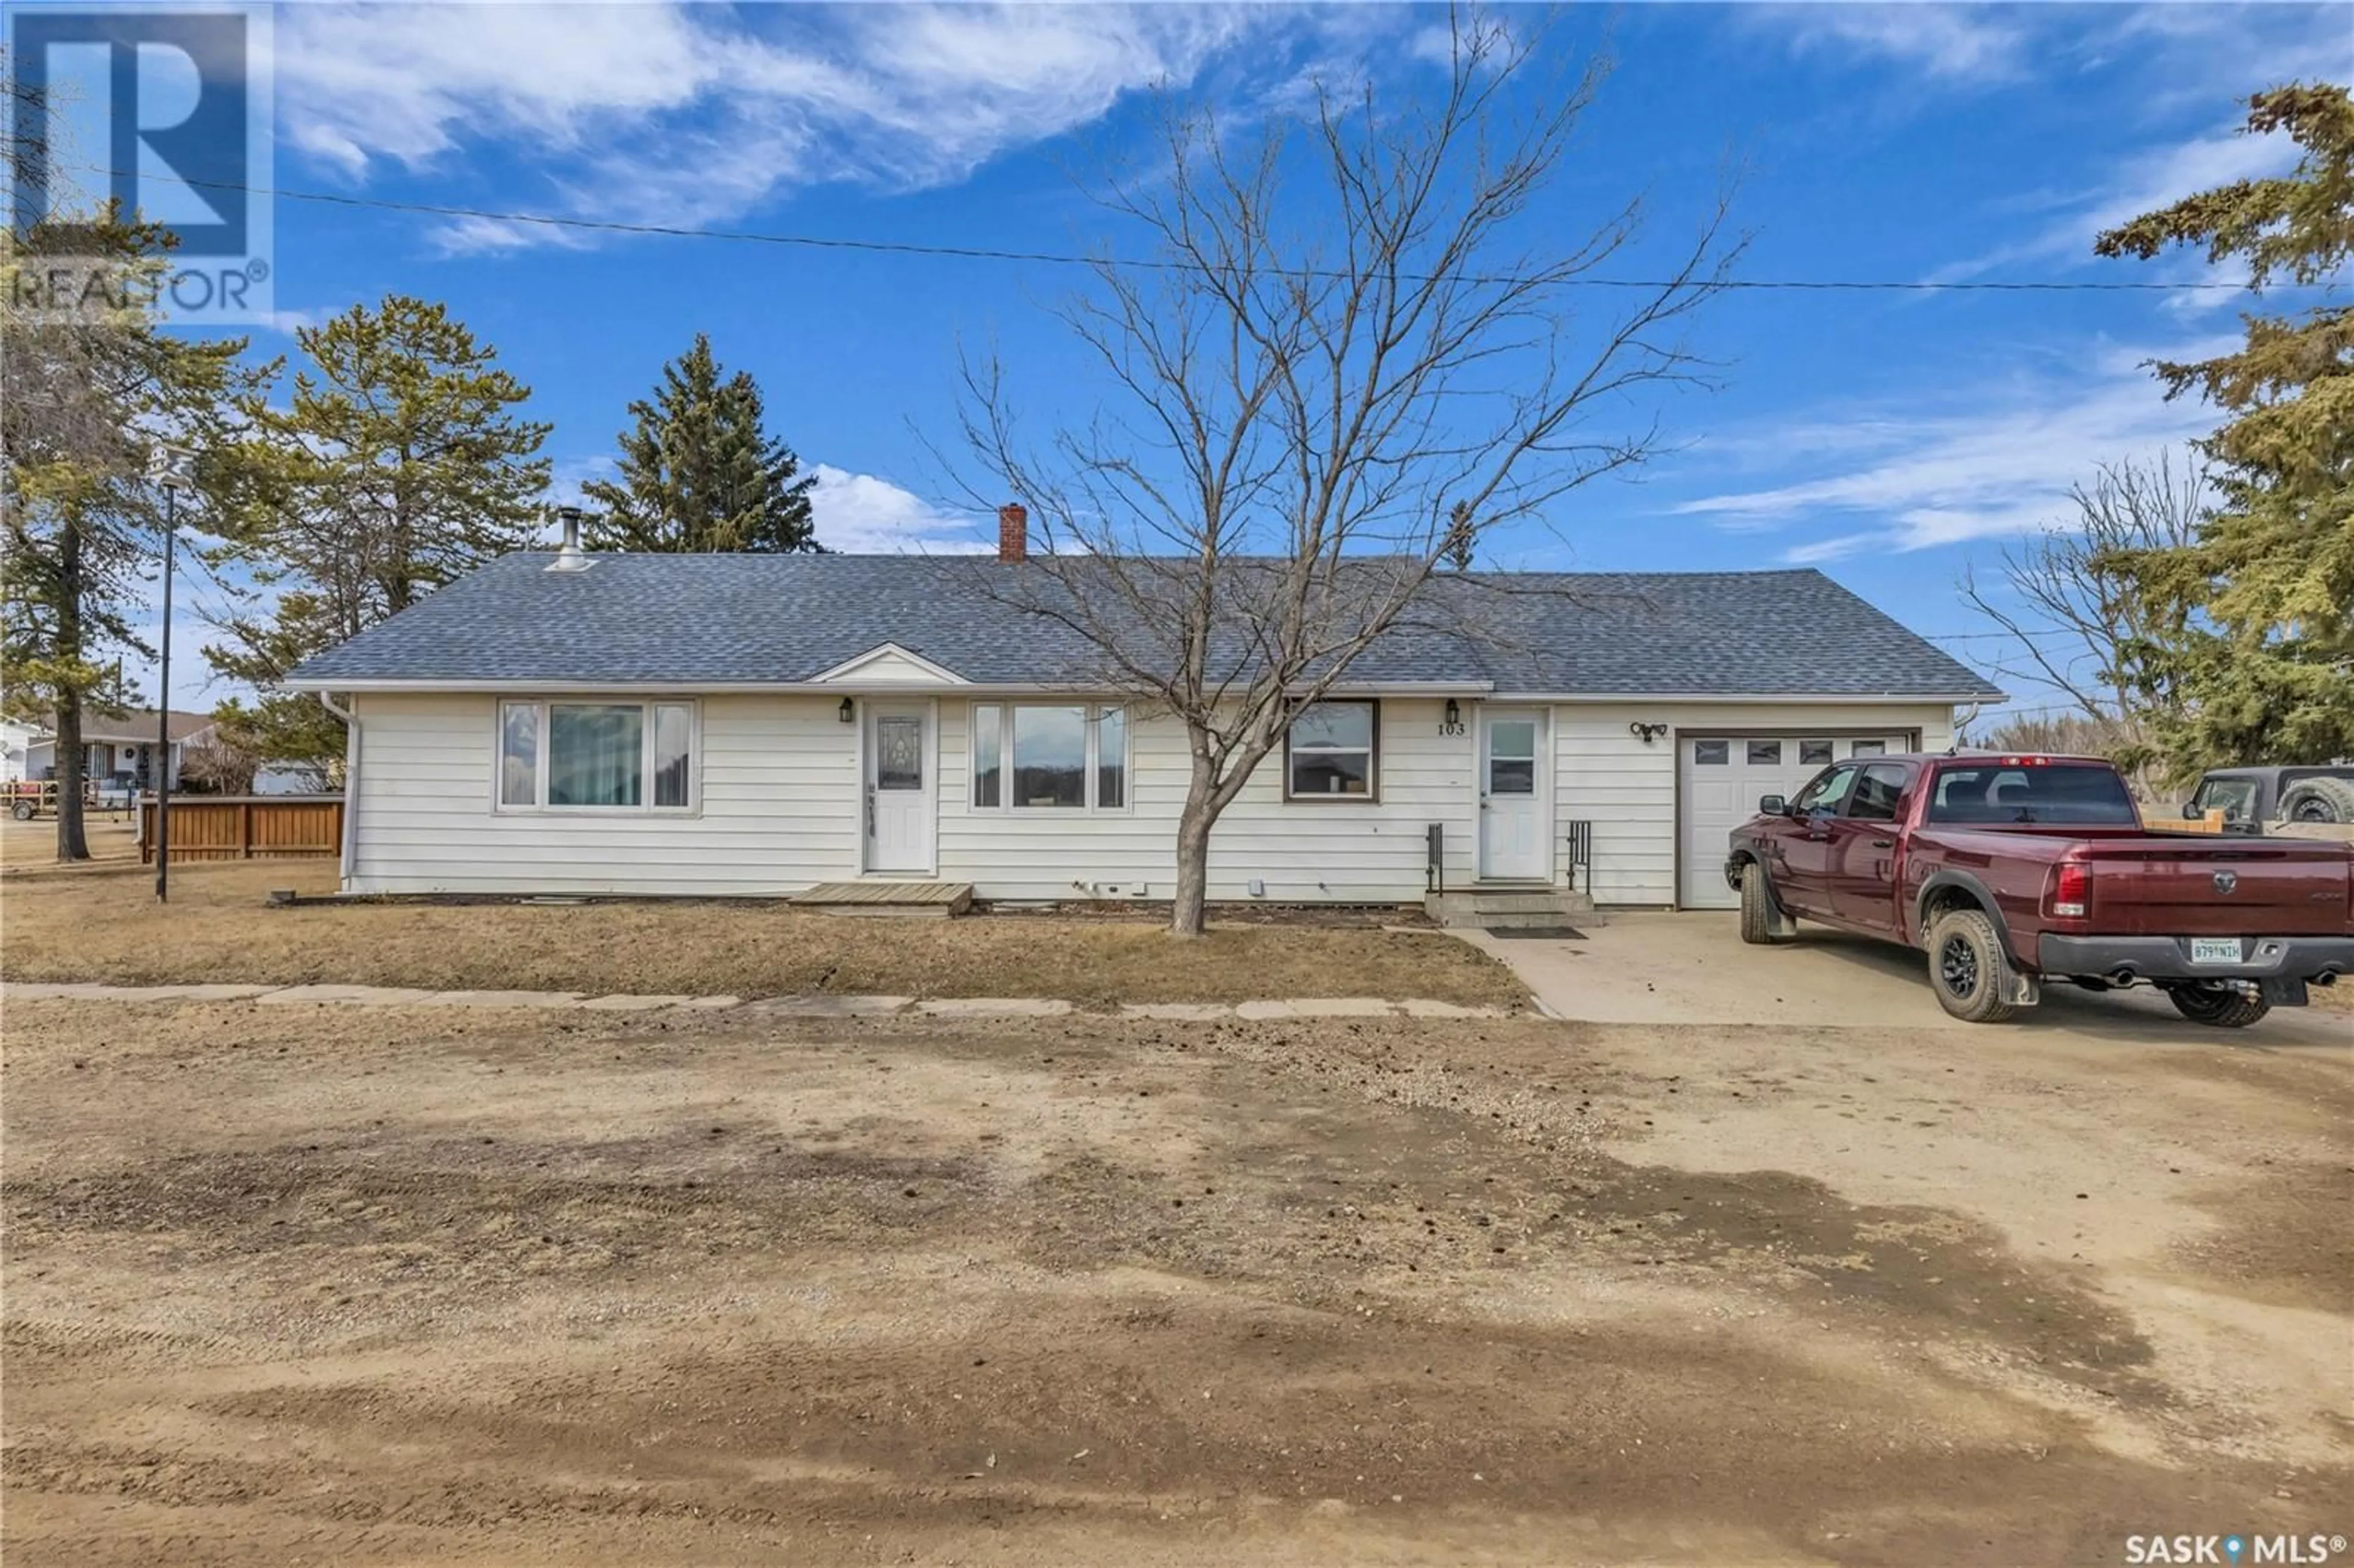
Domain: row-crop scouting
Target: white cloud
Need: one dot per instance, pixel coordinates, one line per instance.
(858, 514)
(2001, 465)
(688, 114)
(2152, 180)
(1971, 42)
(1830, 549)
(290, 322)
(2180, 53)
(568, 475)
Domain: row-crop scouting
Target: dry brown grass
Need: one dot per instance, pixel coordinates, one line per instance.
(101, 922)
(34, 843)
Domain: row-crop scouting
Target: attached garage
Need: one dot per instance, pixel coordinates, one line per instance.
(1720, 779)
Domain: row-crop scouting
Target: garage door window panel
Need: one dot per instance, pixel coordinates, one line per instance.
(1826, 795)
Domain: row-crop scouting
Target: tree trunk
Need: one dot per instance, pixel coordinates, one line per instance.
(1207, 795)
(73, 843)
(73, 840)
(1186, 910)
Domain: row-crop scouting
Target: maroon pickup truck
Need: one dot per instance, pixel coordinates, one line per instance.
(2013, 871)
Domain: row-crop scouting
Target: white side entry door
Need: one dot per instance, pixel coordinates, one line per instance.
(899, 814)
(1513, 840)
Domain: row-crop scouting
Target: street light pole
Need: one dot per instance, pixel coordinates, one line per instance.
(173, 470)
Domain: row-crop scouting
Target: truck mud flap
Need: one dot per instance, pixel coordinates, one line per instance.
(2026, 991)
(2283, 991)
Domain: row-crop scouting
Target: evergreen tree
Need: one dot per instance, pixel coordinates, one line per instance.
(87, 387)
(699, 473)
(400, 464)
(1462, 541)
(2267, 585)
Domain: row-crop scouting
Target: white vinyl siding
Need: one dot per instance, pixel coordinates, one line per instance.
(1606, 775)
(779, 807)
(778, 804)
(1344, 851)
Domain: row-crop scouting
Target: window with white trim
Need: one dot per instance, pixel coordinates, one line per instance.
(596, 756)
(1331, 752)
(1049, 756)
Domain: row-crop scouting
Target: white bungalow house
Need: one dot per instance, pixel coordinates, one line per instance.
(753, 725)
(118, 751)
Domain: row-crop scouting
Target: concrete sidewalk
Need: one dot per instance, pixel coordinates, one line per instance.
(813, 1006)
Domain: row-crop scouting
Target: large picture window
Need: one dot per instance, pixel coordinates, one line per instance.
(1049, 756)
(1331, 752)
(608, 756)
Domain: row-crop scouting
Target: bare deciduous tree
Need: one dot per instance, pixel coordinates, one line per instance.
(1342, 348)
(2064, 734)
(220, 764)
(2077, 613)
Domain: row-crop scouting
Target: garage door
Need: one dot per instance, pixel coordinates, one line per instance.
(1720, 779)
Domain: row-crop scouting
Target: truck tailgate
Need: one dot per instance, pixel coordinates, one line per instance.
(2183, 885)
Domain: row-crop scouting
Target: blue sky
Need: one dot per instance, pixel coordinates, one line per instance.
(1889, 437)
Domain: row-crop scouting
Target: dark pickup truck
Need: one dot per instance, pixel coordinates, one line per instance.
(2011, 871)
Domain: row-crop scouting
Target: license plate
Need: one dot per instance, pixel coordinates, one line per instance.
(2214, 950)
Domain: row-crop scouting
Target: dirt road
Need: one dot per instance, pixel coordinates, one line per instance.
(286, 1285)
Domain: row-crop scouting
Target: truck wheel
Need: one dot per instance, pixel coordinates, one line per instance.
(2219, 1006)
(22, 811)
(2318, 800)
(1968, 970)
(1756, 907)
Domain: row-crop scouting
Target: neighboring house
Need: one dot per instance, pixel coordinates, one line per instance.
(19, 739)
(757, 724)
(119, 751)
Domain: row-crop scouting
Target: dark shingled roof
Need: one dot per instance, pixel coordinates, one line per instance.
(719, 620)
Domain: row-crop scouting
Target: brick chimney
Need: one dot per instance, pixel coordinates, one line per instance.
(1012, 532)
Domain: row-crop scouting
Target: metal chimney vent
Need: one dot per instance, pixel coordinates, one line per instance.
(571, 558)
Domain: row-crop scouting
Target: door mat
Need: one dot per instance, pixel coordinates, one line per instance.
(1536, 933)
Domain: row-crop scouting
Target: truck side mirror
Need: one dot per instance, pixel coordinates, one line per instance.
(1772, 806)
(2189, 810)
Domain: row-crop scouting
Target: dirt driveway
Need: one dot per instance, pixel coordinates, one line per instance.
(363, 1286)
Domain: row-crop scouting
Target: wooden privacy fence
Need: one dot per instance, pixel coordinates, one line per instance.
(246, 827)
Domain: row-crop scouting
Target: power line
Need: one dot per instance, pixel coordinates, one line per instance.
(1065, 258)
(2000, 636)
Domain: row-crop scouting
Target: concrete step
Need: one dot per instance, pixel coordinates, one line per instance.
(1520, 906)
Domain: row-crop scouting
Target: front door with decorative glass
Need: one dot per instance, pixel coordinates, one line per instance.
(899, 814)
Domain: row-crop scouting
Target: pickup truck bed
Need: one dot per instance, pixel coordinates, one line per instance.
(1956, 855)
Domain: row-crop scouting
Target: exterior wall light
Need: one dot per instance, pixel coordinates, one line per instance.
(1647, 733)
(848, 712)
